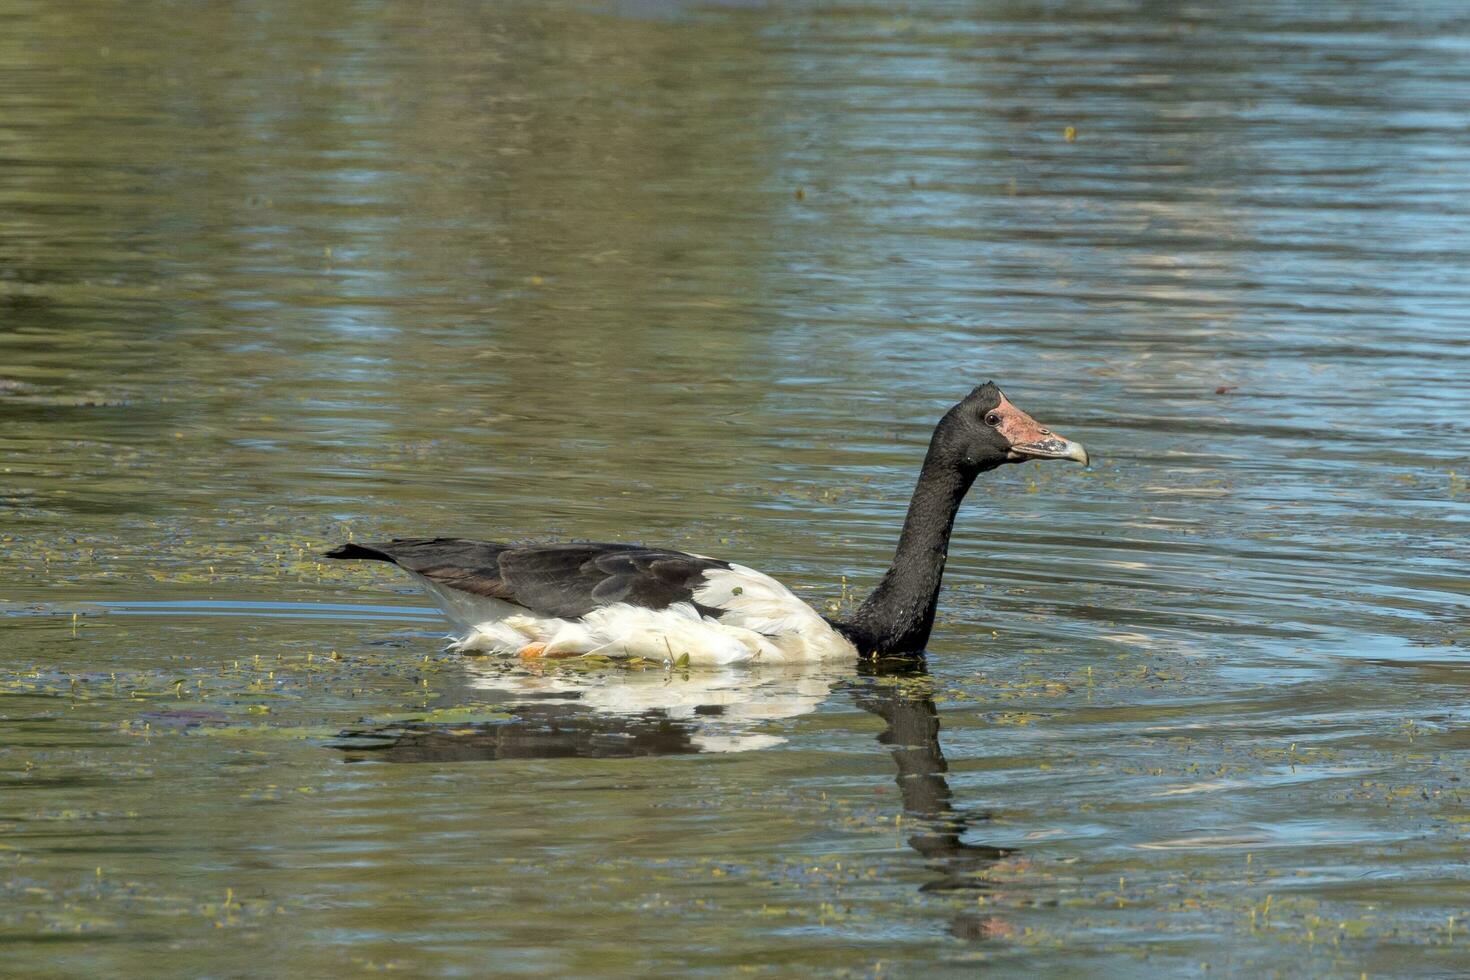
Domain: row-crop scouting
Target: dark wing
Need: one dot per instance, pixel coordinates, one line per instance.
(565, 580)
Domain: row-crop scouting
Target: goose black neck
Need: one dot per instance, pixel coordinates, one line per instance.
(899, 614)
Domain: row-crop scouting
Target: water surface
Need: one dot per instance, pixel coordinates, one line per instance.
(704, 276)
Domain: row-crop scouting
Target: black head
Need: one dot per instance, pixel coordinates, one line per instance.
(985, 430)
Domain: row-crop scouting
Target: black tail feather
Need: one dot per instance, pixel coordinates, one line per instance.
(351, 550)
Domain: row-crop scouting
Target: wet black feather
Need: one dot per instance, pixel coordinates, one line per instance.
(563, 580)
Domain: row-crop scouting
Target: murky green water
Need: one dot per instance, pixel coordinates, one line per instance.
(272, 275)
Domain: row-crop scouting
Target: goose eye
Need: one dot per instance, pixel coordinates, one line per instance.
(992, 419)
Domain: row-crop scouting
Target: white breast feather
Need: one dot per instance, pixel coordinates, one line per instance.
(758, 602)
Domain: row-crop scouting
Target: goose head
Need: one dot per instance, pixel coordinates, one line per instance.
(986, 430)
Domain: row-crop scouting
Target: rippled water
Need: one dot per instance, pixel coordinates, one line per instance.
(704, 276)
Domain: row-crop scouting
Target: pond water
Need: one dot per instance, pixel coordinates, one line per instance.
(277, 276)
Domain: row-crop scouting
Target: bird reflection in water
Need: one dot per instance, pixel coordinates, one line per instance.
(625, 714)
(565, 713)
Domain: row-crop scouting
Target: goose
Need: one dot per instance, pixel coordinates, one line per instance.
(570, 599)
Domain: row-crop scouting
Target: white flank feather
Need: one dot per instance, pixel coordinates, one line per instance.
(761, 620)
(622, 630)
(465, 609)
